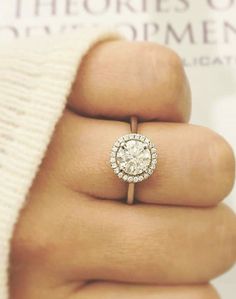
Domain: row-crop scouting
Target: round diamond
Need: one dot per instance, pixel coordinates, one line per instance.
(117, 170)
(133, 157)
(154, 155)
(140, 178)
(130, 179)
(153, 150)
(120, 174)
(125, 177)
(114, 148)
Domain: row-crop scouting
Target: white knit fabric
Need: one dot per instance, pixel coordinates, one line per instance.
(35, 79)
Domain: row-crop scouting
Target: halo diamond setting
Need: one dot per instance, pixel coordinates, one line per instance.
(133, 158)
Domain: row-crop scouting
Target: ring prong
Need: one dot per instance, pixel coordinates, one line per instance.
(123, 144)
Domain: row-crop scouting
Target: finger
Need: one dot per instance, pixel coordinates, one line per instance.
(119, 79)
(85, 240)
(159, 245)
(102, 290)
(195, 165)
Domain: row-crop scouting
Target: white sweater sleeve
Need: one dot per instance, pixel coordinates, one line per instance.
(35, 79)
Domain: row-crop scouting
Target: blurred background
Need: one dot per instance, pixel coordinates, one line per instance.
(203, 33)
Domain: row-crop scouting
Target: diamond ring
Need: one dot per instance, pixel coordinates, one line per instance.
(133, 158)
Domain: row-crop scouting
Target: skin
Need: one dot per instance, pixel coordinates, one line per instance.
(76, 239)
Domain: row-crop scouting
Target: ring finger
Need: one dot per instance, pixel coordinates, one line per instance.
(195, 165)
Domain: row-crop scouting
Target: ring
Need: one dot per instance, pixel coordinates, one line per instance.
(133, 158)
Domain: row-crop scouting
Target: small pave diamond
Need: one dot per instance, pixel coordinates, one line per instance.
(133, 158)
(120, 174)
(142, 138)
(130, 179)
(114, 148)
(125, 177)
(117, 170)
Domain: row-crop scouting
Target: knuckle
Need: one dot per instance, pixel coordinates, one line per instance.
(175, 61)
(166, 64)
(167, 71)
(222, 160)
(162, 55)
(226, 230)
(177, 78)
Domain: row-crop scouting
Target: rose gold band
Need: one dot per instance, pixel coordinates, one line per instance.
(134, 129)
(134, 124)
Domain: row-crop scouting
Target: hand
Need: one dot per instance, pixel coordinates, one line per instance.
(77, 239)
